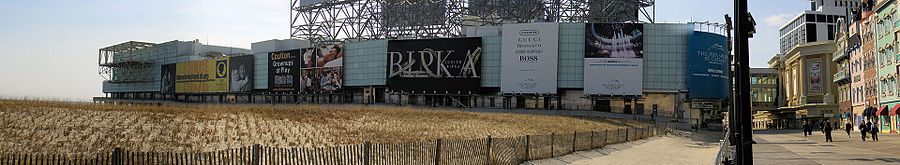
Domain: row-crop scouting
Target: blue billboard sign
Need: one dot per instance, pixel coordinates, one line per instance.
(707, 71)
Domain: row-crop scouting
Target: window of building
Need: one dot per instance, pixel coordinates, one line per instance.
(830, 32)
(811, 36)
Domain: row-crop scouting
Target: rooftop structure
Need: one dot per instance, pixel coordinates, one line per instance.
(327, 22)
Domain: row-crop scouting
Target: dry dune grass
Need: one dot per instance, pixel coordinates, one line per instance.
(84, 128)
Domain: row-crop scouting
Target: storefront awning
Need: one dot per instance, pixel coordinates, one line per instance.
(883, 111)
(873, 111)
(894, 110)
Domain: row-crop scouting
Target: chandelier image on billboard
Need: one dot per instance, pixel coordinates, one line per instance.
(331, 22)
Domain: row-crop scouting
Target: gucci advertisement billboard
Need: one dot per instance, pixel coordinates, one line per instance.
(284, 70)
(613, 59)
(529, 58)
(435, 65)
(323, 70)
(707, 72)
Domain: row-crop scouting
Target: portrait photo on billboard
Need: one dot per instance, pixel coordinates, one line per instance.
(330, 56)
(330, 79)
(167, 79)
(241, 70)
(614, 40)
(284, 70)
(450, 65)
(310, 57)
(310, 80)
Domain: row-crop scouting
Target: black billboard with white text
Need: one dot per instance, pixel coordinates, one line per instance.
(435, 65)
(284, 70)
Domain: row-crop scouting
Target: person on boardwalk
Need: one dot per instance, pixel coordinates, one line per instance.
(862, 131)
(874, 130)
(827, 129)
(848, 127)
(806, 129)
(821, 127)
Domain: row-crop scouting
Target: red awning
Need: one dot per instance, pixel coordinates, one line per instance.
(894, 110)
(882, 109)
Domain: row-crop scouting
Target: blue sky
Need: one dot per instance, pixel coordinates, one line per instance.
(49, 48)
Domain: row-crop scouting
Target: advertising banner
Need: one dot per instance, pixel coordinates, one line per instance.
(815, 77)
(204, 76)
(707, 72)
(323, 71)
(241, 70)
(167, 84)
(435, 65)
(284, 70)
(613, 60)
(529, 58)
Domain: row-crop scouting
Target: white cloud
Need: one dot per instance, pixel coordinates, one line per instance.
(777, 19)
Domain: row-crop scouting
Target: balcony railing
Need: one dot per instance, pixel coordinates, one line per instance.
(838, 55)
(841, 75)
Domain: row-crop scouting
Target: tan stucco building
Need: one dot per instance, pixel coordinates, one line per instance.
(806, 73)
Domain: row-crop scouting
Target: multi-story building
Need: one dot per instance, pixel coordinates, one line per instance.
(887, 63)
(807, 72)
(805, 66)
(765, 100)
(870, 71)
(683, 72)
(816, 24)
(132, 69)
(846, 47)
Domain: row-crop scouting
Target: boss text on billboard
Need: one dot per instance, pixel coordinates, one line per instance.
(529, 58)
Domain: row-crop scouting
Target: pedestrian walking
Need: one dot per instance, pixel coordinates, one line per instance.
(822, 127)
(827, 130)
(862, 131)
(848, 127)
(806, 129)
(874, 130)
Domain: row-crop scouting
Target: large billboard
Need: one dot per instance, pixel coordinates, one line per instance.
(167, 78)
(435, 65)
(203, 76)
(241, 74)
(707, 72)
(323, 69)
(284, 70)
(613, 59)
(529, 58)
(815, 77)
